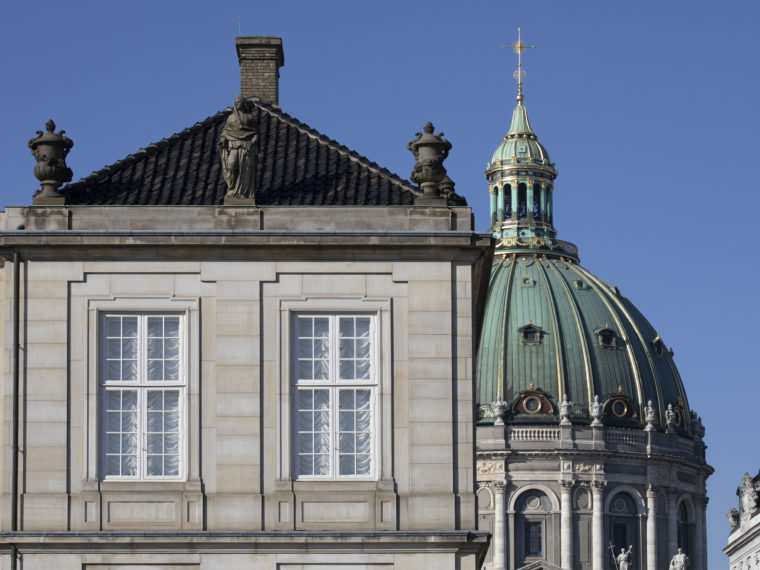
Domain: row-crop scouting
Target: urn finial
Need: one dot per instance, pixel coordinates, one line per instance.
(430, 151)
(50, 150)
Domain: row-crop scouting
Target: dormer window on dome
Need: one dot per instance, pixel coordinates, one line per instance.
(619, 406)
(607, 337)
(530, 334)
(531, 402)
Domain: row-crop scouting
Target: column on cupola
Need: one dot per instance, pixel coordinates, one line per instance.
(529, 200)
(542, 205)
(499, 526)
(549, 201)
(651, 528)
(566, 524)
(500, 203)
(515, 184)
(672, 523)
(597, 528)
(493, 204)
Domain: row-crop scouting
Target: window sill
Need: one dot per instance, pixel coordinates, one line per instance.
(143, 486)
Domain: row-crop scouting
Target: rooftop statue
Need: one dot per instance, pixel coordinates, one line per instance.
(238, 146)
(679, 561)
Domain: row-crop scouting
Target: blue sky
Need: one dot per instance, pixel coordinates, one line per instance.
(649, 109)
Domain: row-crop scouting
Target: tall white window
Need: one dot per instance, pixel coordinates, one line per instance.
(142, 382)
(335, 389)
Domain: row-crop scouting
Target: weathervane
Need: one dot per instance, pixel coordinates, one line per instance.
(518, 47)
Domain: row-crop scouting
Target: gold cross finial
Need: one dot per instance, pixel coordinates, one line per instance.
(518, 47)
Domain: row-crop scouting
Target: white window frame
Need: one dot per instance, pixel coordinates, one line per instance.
(142, 385)
(333, 384)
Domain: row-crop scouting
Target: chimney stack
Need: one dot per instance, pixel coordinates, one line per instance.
(260, 60)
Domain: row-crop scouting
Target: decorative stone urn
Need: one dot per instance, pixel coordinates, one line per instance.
(50, 150)
(499, 408)
(430, 151)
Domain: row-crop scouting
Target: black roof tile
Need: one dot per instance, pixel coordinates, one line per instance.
(298, 166)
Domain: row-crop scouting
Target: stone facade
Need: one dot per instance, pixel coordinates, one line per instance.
(239, 282)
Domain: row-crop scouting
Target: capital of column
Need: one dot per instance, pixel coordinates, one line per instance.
(497, 486)
(598, 486)
(651, 492)
(566, 485)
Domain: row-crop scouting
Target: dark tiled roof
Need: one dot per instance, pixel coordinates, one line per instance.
(298, 166)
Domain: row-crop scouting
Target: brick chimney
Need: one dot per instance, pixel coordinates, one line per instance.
(260, 60)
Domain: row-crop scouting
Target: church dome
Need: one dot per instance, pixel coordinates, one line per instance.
(551, 328)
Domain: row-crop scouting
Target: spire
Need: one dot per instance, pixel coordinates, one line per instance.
(521, 185)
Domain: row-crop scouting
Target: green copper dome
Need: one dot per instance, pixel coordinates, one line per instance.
(553, 328)
(520, 144)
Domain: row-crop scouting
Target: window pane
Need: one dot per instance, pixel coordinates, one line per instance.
(362, 327)
(171, 327)
(321, 400)
(128, 465)
(306, 465)
(113, 327)
(305, 399)
(362, 369)
(305, 348)
(171, 443)
(305, 443)
(113, 465)
(363, 464)
(171, 400)
(155, 327)
(129, 348)
(129, 443)
(321, 465)
(305, 420)
(321, 348)
(305, 370)
(362, 399)
(362, 348)
(155, 370)
(321, 421)
(113, 443)
(113, 400)
(155, 465)
(347, 443)
(347, 370)
(155, 422)
(321, 370)
(171, 370)
(129, 422)
(155, 348)
(129, 327)
(129, 399)
(113, 371)
(155, 443)
(346, 348)
(171, 465)
(346, 327)
(155, 400)
(171, 421)
(113, 421)
(321, 327)
(362, 443)
(113, 348)
(346, 399)
(304, 326)
(347, 465)
(129, 370)
(346, 421)
(321, 443)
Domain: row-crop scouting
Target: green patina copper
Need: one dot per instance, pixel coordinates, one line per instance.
(537, 280)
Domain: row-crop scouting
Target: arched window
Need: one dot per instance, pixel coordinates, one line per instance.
(522, 200)
(507, 201)
(532, 522)
(536, 201)
(685, 530)
(624, 530)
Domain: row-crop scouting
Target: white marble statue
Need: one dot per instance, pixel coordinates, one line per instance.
(624, 558)
(679, 561)
(748, 499)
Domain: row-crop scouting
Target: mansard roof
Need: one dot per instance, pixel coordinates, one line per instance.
(297, 166)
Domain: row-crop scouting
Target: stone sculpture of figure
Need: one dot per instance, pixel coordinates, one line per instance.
(748, 497)
(733, 518)
(649, 415)
(238, 145)
(624, 558)
(670, 418)
(596, 412)
(564, 411)
(679, 561)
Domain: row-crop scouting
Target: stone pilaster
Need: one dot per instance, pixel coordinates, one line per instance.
(651, 528)
(566, 524)
(499, 525)
(597, 528)
(672, 523)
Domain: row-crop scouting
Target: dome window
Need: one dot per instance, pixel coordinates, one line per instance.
(607, 337)
(532, 401)
(530, 334)
(619, 406)
(659, 347)
(528, 281)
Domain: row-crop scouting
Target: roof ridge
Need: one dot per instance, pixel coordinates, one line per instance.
(344, 150)
(148, 150)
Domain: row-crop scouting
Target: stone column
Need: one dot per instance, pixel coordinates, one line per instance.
(672, 523)
(529, 200)
(499, 526)
(651, 528)
(514, 185)
(566, 524)
(700, 553)
(597, 529)
(500, 204)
